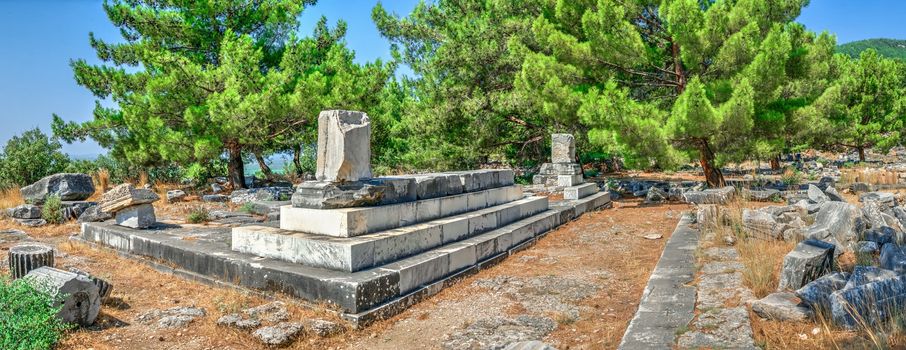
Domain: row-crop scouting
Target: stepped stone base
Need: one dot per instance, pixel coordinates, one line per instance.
(364, 296)
(581, 191)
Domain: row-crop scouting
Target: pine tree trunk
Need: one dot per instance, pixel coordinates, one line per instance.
(268, 173)
(775, 163)
(713, 175)
(236, 167)
(861, 154)
(297, 159)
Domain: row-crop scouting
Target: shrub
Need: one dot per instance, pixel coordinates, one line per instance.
(591, 173)
(247, 208)
(791, 177)
(27, 317)
(52, 211)
(198, 215)
(29, 157)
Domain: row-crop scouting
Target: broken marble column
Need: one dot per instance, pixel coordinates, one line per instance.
(139, 216)
(344, 146)
(75, 295)
(563, 148)
(26, 257)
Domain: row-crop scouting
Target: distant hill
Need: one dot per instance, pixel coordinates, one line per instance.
(887, 47)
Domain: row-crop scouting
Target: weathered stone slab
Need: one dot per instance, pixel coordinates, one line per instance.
(766, 195)
(816, 195)
(25, 211)
(836, 222)
(569, 180)
(808, 261)
(261, 194)
(761, 225)
(563, 148)
(817, 293)
(344, 146)
(124, 196)
(881, 235)
(579, 192)
(868, 274)
(70, 187)
(711, 196)
(782, 306)
(869, 304)
(893, 257)
(139, 216)
(94, 214)
(560, 169)
(174, 196)
(351, 222)
(332, 195)
(79, 300)
(885, 198)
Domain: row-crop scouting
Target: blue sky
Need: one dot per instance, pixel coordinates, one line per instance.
(40, 37)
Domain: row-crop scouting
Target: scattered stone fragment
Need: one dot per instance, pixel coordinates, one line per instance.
(867, 247)
(278, 335)
(124, 196)
(869, 304)
(70, 187)
(25, 211)
(25, 257)
(653, 236)
(816, 195)
(761, 224)
(885, 198)
(77, 296)
(529, 345)
(893, 258)
(766, 195)
(868, 274)
(94, 214)
(176, 317)
(261, 194)
(497, 332)
(215, 198)
(271, 312)
(880, 235)
(817, 293)
(655, 195)
(857, 187)
(236, 320)
(837, 223)
(808, 261)
(174, 196)
(324, 328)
(833, 195)
(782, 306)
(711, 196)
(31, 222)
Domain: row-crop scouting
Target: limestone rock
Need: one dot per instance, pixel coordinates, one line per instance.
(261, 194)
(563, 148)
(271, 312)
(893, 257)
(880, 235)
(174, 196)
(833, 195)
(25, 211)
(324, 328)
(808, 261)
(31, 222)
(498, 332)
(73, 209)
(236, 320)
(175, 317)
(280, 334)
(817, 293)
(869, 304)
(838, 223)
(140, 216)
(79, 301)
(816, 195)
(344, 146)
(70, 187)
(782, 306)
(215, 198)
(94, 214)
(655, 195)
(124, 196)
(868, 274)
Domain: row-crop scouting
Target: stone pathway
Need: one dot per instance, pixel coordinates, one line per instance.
(668, 301)
(722, 319)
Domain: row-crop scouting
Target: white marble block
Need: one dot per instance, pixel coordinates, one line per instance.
(138, 216)
(344, 146)
(563, 148)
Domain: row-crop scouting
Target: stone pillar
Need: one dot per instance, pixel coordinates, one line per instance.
(344, 146)
(28, 256)
(563, 148)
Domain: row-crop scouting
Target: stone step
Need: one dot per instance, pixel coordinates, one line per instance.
(580, 191)
(351, 222)
(358, 253)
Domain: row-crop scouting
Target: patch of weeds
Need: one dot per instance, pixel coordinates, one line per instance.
(248, 208)
(28, 317)
(52, 212)
(682, 330)
(564, 319)
(198, 215)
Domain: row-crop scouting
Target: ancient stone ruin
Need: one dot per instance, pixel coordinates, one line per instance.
(72, 189)
(371, 246)
(563, 173)
(130, 206)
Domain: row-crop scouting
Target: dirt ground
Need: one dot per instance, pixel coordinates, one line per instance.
(583, 281)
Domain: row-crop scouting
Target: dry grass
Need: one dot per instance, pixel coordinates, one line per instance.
(10, 198)
(102, 177)
(762, 260)
(869, 175)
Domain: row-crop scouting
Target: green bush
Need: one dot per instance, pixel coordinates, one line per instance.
(198, 215)
(29, 157)
(52, 212)
(27, 317)
(592, 173)
(248, 208)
